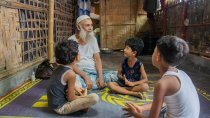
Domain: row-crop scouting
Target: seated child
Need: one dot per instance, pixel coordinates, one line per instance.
(132, 78)
(63, 79)
(175, 88)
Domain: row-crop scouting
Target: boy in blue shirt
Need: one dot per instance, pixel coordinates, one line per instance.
(132, 78)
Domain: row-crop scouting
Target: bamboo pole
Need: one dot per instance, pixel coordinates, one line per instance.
(50, 31)
(165, 15)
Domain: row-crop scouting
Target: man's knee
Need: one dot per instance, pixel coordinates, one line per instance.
(94, 98)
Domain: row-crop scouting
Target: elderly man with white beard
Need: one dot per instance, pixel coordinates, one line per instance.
(89, 68)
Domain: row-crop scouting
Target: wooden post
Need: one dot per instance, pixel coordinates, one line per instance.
(183, 17)
(50, 31)
(164, 6)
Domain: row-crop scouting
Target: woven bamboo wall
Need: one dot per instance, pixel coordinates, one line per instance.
(24, 31)
(174, 19)
(196, 32)
(118, 19)
(33, 29)
(10, 49)
(65, 15)
(170, 19)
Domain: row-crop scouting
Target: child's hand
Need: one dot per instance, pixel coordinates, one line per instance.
(138, 108)
(100, 83)
(88, 82)
(128, 83)
(84, 91)
(78, 91)
(67, 93)
(125, 78)
(132, 110)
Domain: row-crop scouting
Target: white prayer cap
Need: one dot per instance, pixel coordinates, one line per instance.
(81, 18)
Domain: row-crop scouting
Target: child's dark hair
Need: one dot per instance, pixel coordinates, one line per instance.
(173, 49)
(136, 44)
(66, 51)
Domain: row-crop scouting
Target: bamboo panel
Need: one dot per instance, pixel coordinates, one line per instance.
(116, 36)
(102, 13)
(118, 18)
(24, 30)
(64, 19)
(103, 37)
(133, 11)
(174, 15)
(174, 20)
(174, 31)
(159, 16)
(197, 31)
(206, 12)
(27, 5)
(10, 49)
(120, 11)
(33, 30)
(196, 10)
(23, 26)
(199, 39)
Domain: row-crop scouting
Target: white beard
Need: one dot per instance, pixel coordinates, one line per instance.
(86, 36)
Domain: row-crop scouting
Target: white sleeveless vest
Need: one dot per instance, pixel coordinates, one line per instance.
(185, 102)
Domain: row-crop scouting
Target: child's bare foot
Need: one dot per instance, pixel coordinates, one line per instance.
(112, 92)
(139, 95)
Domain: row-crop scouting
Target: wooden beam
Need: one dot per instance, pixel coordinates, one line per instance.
(50, 31)
(164, 7)
(17, 5)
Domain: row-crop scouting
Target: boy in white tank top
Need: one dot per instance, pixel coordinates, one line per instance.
(175, 89)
